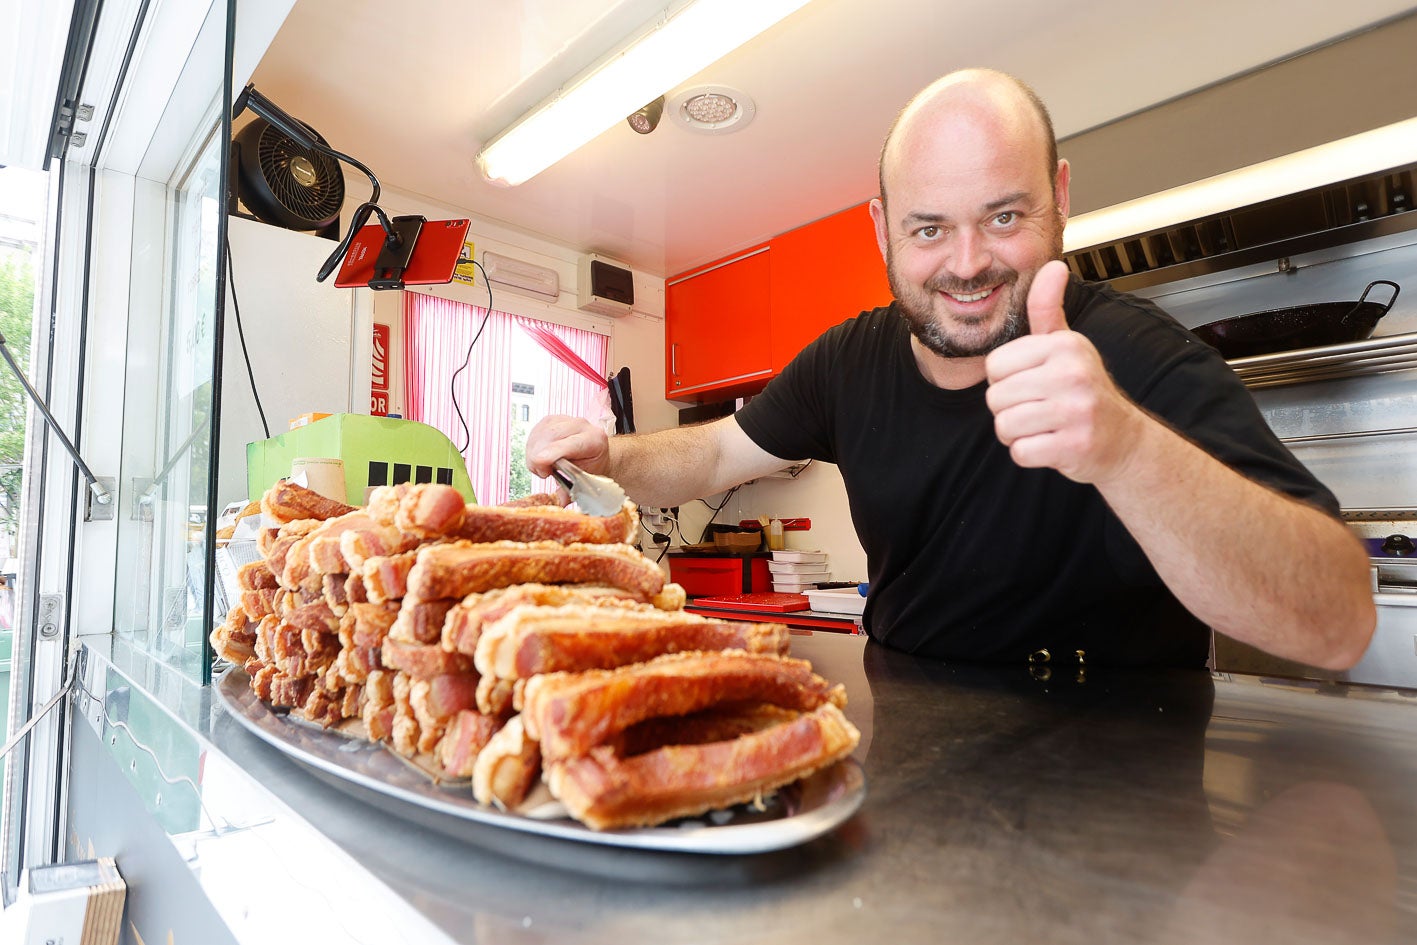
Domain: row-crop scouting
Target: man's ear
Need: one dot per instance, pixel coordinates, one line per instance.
(878, 217)
(1060, 187)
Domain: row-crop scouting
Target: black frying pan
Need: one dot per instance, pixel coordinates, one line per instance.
(1303, 326)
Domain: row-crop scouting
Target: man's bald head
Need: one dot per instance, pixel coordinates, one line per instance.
(983, 92)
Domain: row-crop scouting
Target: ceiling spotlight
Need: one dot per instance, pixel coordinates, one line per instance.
(712, 109)
(647, 119)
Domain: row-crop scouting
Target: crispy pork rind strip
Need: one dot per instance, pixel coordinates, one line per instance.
(406, 730)
(507, 767)
(385, 577)
(430, 510)
(569, 713)
(461, 568)
(438, 511)
(235, 639)
(716, 724)
(259, 603)
(287, 502)
(466, 737)
(606, 791)
(529, 639)
(463, 625)
(358, 545)
(323, 546)
(332, 588)
(289, 535)
(362, 631)
(383, 502)
(496, 696)
(435, 702)
(421, 621)
(484, 523)
(256, 576)
(378, 708)
(425, 662)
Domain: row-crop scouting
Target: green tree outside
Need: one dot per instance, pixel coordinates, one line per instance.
(520, 483)
(16, 320)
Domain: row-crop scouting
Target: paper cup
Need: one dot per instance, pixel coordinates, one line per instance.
(324, 474)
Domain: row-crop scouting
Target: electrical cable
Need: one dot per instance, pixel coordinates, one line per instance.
(240, 333)
(453, 383)
(716, 509)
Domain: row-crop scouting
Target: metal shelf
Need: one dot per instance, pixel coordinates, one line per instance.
(1330, 362)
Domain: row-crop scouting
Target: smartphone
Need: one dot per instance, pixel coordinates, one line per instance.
(435, 254)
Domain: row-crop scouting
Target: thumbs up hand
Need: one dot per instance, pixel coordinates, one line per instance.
(1053, 401)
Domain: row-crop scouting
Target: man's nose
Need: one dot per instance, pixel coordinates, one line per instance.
(970, 256)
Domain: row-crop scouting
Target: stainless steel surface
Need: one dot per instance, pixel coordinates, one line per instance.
(1356, 434)
(1157, 807)
(596, 495)
(791, 817)
(1352, 359)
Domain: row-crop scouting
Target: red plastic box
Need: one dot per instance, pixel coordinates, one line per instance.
(704, 575)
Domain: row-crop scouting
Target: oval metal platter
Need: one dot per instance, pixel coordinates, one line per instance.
(791, 816)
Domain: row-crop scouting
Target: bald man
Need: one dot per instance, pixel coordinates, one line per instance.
(1034, 464)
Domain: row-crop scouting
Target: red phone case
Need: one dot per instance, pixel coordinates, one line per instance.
(435, 255)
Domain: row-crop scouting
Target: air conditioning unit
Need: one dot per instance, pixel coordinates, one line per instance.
(524, 278)
(604, 287)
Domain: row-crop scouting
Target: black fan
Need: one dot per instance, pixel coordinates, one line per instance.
(285, 183)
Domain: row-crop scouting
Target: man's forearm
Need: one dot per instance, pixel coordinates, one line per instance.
(1255, 565)
(666, 468)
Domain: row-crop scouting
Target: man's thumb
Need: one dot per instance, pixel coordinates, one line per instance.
(1045, 299)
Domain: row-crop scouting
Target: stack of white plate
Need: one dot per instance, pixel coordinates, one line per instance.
(793, 572)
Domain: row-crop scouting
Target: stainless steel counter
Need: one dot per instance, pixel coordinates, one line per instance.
(1136, 807)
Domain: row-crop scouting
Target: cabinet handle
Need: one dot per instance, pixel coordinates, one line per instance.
(674, 359)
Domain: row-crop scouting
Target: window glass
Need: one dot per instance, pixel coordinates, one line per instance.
(24, 201)
(167, 417)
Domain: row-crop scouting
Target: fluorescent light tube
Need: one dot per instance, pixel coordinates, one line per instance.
(680, 45)
(1356, 156)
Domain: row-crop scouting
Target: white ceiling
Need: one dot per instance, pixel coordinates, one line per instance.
(827, 81)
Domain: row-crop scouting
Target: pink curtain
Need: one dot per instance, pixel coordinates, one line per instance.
(437, 333)
(568, 392)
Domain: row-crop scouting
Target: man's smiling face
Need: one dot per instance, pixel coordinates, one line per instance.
(971, 214)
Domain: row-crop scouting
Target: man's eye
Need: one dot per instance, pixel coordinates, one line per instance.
(928, 232)
(1005, 218)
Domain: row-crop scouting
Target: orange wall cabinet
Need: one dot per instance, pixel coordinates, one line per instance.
(716, 330)
(822, 274)
(733, 325)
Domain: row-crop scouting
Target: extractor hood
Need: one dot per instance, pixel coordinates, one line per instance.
(1343, 192)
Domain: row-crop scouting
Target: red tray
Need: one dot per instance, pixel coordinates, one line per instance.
(777, 603)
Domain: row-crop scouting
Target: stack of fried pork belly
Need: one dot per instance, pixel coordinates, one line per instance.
(523, 644)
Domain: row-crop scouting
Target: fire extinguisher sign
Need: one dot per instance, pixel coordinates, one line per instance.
(379, 376)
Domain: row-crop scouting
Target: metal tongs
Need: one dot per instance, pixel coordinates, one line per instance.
(596, 495)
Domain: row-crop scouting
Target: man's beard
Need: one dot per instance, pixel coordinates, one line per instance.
(941, 335)
(917, 308)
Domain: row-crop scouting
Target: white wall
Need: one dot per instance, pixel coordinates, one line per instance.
(308, 342)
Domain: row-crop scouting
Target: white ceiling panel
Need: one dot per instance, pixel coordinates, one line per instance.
(415, 95)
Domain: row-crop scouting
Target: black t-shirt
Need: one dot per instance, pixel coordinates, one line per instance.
(971, 556)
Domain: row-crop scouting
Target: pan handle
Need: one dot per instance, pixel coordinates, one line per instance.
(1358, 305)
(1395, 289)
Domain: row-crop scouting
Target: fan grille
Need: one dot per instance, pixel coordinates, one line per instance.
(305, 182)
